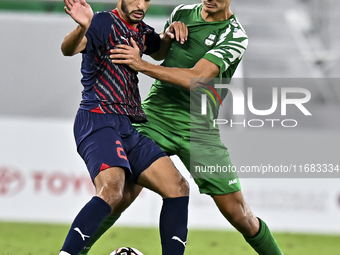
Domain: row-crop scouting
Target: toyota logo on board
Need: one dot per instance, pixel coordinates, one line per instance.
(11, 181)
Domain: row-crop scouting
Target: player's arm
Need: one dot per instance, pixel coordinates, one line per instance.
(82, 13)
(176, 31)
(204, 70)
(173, 30)
(74, 42)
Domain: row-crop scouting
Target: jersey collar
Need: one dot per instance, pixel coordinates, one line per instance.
(127, 24)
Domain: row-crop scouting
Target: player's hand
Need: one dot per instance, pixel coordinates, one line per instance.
(128, 55)
(80, 11)
(178, 31)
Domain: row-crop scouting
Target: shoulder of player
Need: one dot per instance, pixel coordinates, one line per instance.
(232, 33)
(188, 6)
(236, 27)
(102, 16)
(146, 28)
(184, 9)
(232, 30)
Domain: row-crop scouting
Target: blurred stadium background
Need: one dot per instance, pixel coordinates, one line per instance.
(291, 43)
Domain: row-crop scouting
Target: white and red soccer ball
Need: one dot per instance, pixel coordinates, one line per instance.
(126, 251)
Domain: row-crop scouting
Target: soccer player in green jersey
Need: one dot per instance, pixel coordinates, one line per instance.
(214, 47)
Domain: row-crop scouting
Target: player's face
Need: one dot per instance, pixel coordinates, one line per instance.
(134, 10)
(215, 6)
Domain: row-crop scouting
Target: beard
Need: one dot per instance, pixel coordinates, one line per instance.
(128, 15)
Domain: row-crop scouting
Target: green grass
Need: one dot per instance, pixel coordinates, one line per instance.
(46, 239)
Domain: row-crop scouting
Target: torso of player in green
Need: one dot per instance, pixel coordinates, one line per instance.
(222, 43)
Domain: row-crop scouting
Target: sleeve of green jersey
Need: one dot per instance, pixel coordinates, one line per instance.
(229, 49)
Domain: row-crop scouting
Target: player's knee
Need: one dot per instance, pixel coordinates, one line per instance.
(129, 196)
(110, 185)
(238, 218)
(112, 195)
(184, 187)
(178, 189)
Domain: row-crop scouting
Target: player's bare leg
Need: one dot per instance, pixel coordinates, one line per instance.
(237, 212)
(255, 231)
(109, 185)
(163, 178)
(131, 191)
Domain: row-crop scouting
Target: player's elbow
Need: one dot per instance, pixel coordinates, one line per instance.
(68, 49)
(191, 84)
(66, 52)
(186, 83)
(196, 79)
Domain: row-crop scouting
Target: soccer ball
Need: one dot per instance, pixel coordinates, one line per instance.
(126, 251)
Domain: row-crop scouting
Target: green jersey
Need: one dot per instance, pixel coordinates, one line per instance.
(221, 42)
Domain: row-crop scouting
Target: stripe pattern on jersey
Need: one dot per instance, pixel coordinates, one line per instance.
(116, 87)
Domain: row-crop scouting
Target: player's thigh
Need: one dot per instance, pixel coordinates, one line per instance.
(110, 184)
(163, 178)
(232, 203)
(210, 166)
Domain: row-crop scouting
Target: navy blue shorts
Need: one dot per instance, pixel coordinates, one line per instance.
(110, 140)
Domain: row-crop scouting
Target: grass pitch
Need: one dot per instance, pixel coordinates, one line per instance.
(46, 239)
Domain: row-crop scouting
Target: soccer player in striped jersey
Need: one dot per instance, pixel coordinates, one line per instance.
(215, 45)
(116, 155)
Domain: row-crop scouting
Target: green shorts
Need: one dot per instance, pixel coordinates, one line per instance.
(207, 159)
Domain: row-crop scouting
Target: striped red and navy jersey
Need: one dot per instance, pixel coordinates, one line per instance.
(111, 88)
